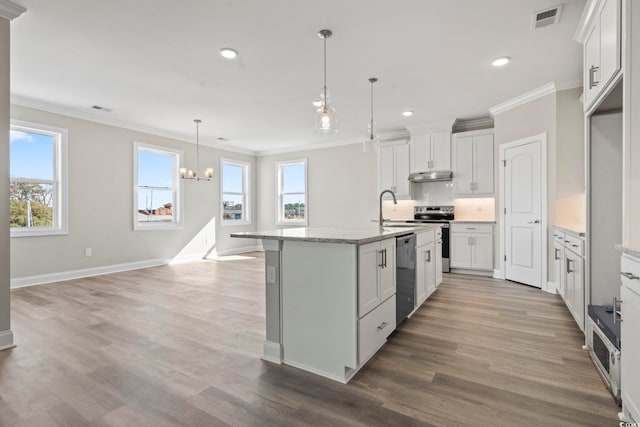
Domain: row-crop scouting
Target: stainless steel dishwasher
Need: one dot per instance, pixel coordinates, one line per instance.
(405, 276)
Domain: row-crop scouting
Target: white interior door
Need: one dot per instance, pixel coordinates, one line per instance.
(523, 213)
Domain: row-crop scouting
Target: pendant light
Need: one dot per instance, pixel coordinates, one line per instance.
(372, 136)
(325, 120)
(193, 174)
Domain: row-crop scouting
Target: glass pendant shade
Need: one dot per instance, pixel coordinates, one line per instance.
(326, 121)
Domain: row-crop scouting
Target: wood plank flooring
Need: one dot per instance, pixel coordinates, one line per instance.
(180, 346)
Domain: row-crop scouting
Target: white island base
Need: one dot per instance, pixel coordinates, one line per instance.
(330, 300)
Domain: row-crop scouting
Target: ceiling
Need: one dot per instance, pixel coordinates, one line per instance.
(156, 63)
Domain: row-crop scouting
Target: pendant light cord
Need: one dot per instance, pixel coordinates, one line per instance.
(371, 129)
(325, 71)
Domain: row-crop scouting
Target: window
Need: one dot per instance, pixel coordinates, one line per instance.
(157, 203)
(37, 184)
(235, 192)
(291, 178)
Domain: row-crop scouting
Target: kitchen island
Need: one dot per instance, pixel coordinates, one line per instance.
(330, 294)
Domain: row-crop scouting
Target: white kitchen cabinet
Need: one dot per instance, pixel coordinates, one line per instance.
(430, 152)
(438, 257)
(558, 265)
(574, 281)
(569, 272)
(473, 167)
(376, 274)
(472, 246)
(394, 169)
(630, 314)
(602, 50)
(425, 272)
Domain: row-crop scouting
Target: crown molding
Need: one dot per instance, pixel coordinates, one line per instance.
(383, 137)
(525, 98)
(586, 20)
(10, 10)
(98, 117)
(439, 126)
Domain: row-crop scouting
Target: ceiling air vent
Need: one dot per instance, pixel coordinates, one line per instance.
(544, 18)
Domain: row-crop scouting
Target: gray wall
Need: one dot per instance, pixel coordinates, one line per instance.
(560, 116)
(5, 322)
(101, 204)
(342, 186)
(533, 118)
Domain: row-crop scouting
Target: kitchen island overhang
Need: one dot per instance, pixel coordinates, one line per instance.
(316, 281)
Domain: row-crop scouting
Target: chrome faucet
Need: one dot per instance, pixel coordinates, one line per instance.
(395, 202)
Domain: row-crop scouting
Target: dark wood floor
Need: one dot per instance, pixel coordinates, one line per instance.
(180, 346)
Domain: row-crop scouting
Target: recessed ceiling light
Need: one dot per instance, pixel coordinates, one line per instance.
(228, 53)
(407, 113)
(499, 62)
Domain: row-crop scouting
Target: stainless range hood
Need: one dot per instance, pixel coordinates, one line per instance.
(431, 176)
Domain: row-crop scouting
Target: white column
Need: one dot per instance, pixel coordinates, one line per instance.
(8, 11)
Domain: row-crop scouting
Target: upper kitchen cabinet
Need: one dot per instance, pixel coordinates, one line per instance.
(430, 151)
(602, 50)
(393, 173)
(472, 154)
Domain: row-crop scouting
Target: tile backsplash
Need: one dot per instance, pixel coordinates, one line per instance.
(438, 193)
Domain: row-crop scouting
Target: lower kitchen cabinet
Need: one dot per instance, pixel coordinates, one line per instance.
(630, 308)
(569, 273)
(426, 265)
(472, 246)
(438, 257)
(377, 274)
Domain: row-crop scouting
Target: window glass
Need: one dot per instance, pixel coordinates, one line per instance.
(291, 177)
(235, 192)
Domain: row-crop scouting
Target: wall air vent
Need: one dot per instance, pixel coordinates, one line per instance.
(544, 18)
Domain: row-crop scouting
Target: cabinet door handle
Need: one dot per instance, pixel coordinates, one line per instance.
(569, 270)
(428, 255)
(469, 241)
(557, 254)
(592, 76)
(381, 265)
(382, 325)
(385, 258)
(537, 221)
(615, 309)
(630, 276)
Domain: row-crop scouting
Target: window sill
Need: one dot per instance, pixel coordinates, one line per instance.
(157, 227)
(232, 223)
(38, 233)
(292, 223)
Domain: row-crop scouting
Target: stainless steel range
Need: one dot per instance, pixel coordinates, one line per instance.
(440, 215)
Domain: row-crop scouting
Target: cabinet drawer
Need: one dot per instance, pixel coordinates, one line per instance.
(471, 227)
(375, 327)
(574, 244)
(630, 273)
(558, 236)
(425, 237)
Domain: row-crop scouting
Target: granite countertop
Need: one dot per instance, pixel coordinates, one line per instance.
(633, 251)
(356, 236)
(577, 233)
(475, 221)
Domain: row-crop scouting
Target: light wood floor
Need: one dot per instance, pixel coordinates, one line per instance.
(180, 346)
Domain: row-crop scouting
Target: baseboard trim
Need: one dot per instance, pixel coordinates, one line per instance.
(485, 273)
(21, 282)
(272, 352)
(497, 274)
(338, 378)
(6, 340)
(235, 251)
(551, 288)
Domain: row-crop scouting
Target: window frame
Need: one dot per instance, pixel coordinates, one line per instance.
(280, 220)
(246, 186)
(177, 222)
(60, 180)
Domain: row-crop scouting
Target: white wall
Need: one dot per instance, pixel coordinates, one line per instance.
(5, 322)
(342, 187)
(101, 204)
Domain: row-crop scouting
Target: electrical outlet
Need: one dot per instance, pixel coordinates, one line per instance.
(87, 252)
(271, 274)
